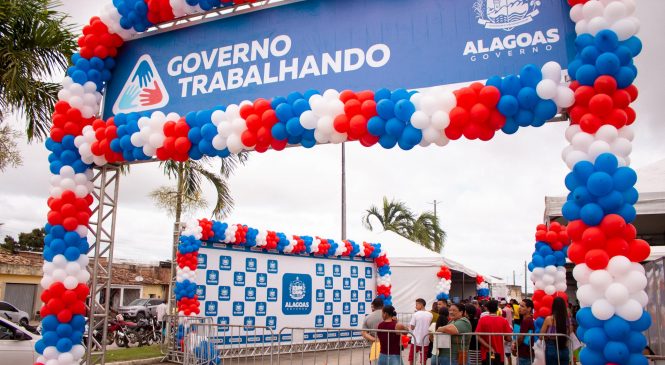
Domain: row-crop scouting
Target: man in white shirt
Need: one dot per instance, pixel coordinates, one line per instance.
(161, 313)
(420, 328)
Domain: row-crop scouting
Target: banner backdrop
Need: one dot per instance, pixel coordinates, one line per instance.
(238, 286)
(321, 44)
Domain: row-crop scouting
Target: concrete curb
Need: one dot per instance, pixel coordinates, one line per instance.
(152, 360)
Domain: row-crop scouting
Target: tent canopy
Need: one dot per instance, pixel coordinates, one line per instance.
(405, 253)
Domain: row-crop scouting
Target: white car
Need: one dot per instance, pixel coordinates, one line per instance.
(17, 345)
(8, 311)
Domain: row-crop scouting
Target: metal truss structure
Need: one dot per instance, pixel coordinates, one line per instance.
(106, 183)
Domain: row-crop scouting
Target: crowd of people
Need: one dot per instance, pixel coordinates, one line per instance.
(471, 332)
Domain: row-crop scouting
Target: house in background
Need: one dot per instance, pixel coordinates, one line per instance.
(21, 274)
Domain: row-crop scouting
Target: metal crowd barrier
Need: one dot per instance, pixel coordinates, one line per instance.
(176, 326)
(452, 349)
(208, 344)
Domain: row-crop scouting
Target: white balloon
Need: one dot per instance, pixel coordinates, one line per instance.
(78, 351)
(625, 28)
(420, 120)
(630, 6)
(602, 309)
(600, 279)
(572, 132)
(587, 295)
(597, 148)
(641, 297)
(575, 157)
(630, 311)
(634, 281)
(622, 147)
(576, 13)
(546, 89)
(617, 266)
(597, 24)
(582, 141)
(565, 97)
(581, 27)
(550, 289)
(560, 287)
(614, 11)
(308, 119)
(552, 71)
(627, 133)
(592, 9)
(617, 294)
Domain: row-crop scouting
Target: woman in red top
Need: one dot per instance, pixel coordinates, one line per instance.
(390, 341)
(491, 346)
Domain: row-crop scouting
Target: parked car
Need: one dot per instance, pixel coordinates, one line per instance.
(8, 311)
(140, 308)
(17, 346)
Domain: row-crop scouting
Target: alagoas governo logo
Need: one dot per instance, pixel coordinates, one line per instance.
(505, 14)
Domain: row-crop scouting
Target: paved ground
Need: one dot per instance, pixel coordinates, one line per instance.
(343, 357)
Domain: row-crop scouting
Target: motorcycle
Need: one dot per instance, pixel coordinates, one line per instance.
(148, 331)
(125, 333)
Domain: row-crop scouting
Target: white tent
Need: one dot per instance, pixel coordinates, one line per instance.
(414, 269)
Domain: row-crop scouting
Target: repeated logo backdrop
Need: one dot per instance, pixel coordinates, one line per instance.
(241, 287)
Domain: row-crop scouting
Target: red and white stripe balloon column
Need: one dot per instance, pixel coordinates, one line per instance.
(443, 286)
(600, 206)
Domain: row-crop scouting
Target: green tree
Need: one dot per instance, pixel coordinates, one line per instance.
(36, 43)
(27, 241)
(395, 216)
(9, 152)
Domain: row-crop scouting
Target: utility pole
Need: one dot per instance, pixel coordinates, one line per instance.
(526, 291)
(435, 204)
(513, 277)
(343, 192)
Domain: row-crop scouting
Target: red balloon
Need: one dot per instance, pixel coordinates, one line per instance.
(583, 94)
(459, 117)
(352, 107)
(630, 113)
(269, 118)
(590, 123)
(621, 99)
(347, 95)
(612, 225)
(471, 131)
(616, 246)
(601, 104)
(593, 237)
(639, 250)
(64, 316)
(357, 126)
(577, 112)
(182, 145)
(576, 229)
(341, 123)
(605, 85)
(576, 253)
(253, 122)
(632, 90)
(617, 117)
(466, 97)
(70, 223)
(489, 96)
(248, 138)
(596, 259)
(368, 109)
(479, 113)
(629, 233)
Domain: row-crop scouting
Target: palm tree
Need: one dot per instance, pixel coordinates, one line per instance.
(187, 194)
(35, 45)
(395, 216)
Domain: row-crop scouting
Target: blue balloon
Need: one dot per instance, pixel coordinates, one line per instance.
(294, 127)
(573, 66)
(206, 148)
(278, 131)
(79, 77)
(385, 109)
(524, 118)
(71, 253)
(572, 182)
(595, 338)
(494, 81)
(398, 95)
(50, 338)
(608, 63)
(571, 211)
(209, 131)
(527, 97)
(583, 170)
(616, 352)
(611, 202)
(194, 135)
(583, 40)
(634, 44)
(530, 76)
(636, 342)
(64, 345)
(508, 105)
(412, 135)
(50, 323)
(630, 196)
(40, 346)
(380, 94)
(581, 196)
(637, 359)
(404, 109)
(586, 75)
(545, 110)
(624, 178)
(284, 112)
(510, 85)
(538, 261)
(606, 162)
(590, 357)
(376, 126)
(550, 260)
(625, 77)
(606, 40)
(589, 54)
(394, 127)
(64, 330)
(510, 127)
(300, 106)
(628, 213)
(585, 318)
(624, 55)
(616, 328)
(591, 214)
(600, 183)
(387, 141)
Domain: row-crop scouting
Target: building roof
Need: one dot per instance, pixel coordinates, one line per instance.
(122, 273)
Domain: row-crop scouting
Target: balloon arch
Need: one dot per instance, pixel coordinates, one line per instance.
(86, 152)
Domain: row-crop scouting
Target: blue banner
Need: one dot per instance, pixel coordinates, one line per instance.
(341, 44)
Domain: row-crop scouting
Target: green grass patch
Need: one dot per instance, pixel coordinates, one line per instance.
(133, 353)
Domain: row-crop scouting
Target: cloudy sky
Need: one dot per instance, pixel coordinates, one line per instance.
(491, 194)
